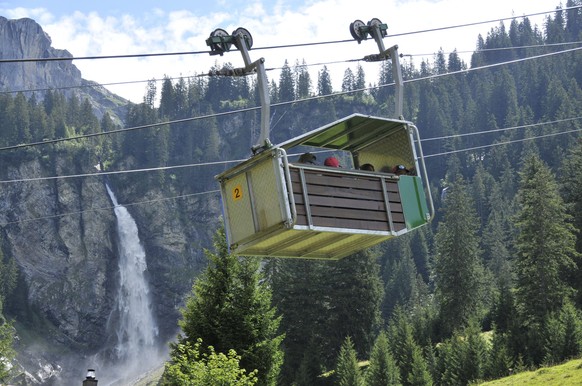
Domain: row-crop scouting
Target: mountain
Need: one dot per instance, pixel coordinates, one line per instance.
(24, 39)
(63, 235)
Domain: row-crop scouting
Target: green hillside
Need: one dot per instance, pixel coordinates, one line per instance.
(569, 373)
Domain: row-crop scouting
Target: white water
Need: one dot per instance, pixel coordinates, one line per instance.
(135, 329)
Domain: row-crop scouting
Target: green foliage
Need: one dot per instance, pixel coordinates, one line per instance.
(324, 86)
(7, 333)
(571, 179)
(382, 370)
(322, 302)
(546, 246)
(286, 84)
(419, 374)
(231, 309)
(192, 366)
(459, 273)
(8, 276)
(499, 363)
(347, 371)
(7, 353)
(463, 358)
(407, 353)
(563, 335)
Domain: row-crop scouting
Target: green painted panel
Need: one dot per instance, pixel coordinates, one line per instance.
(413, 201)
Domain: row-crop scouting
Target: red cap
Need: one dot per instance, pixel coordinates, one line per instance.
(331, 161)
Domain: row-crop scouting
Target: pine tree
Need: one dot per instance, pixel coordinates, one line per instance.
(407, 353)
(298, 293)
(382, 370)
(349, 80)
(545, 249)
(572, 321)
(324, 86)
(458, 271)
(322, 302)
(360, 81)
(353, 295)
(230, 309)
(419, 374)
(477, 353)
(499, 362)
(546, 243)
(464, 357)
(563, 335)
(286, 84)
(572, 188)
(347, 371)
(303, 82)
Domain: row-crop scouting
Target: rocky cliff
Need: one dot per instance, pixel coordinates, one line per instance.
(24, 39)
(62, 231)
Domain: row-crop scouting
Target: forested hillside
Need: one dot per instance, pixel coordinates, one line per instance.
(492, 286)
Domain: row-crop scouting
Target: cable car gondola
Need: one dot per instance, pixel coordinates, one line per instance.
(274, 206)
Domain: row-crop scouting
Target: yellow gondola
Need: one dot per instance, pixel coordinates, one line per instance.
(275, 206)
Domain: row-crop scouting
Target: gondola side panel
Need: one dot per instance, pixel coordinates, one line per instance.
(237, 200)
(253, 203)
(413, 201)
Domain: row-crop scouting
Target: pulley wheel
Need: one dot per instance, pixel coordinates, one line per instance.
(355, 30)
(221, 47)
(374, 22)
(246, 36)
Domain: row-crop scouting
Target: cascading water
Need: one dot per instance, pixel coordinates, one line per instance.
(135, 327)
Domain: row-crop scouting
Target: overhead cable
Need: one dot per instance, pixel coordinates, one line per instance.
(503, 129)
(57, 140)
(278, 46)
(206, 74)
(108, 173)
(162, 168)
(502, 143)
(485, 22)
(217, 191)
(106, 208)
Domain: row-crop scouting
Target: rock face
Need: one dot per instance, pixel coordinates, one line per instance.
(62, 232)
(24, 39)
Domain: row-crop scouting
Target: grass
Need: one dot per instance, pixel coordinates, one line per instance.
(151, 378)
(569, 373)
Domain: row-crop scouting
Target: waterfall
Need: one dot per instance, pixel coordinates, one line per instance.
(135, 328)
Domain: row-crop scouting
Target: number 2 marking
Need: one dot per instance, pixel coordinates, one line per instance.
(237, 193)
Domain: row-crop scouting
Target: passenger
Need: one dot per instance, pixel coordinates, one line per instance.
(307, 158)
(332, 162)
(367, 167)
(400, 170)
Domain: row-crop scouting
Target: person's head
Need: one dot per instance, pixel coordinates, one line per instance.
(332, 162)
(368, 167)
(399, 170)
(307, 158)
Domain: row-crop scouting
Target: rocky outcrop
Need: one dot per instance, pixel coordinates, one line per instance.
(23, 40)
(66, 254)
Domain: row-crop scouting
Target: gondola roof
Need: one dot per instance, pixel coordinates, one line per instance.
(351, 133)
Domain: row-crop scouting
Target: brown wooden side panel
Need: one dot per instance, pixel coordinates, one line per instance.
(346, 201)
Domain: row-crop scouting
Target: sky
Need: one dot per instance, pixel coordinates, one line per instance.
(106, 27)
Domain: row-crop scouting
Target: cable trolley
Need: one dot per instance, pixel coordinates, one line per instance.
(281, 202)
